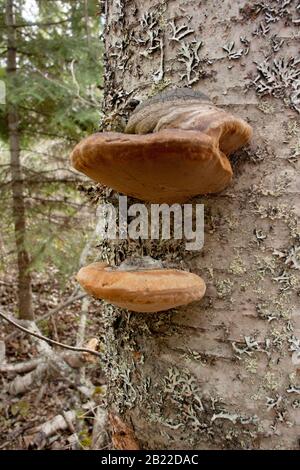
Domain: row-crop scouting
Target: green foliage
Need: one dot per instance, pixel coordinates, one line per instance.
(58, 222)
(57, 87)
(57, 91)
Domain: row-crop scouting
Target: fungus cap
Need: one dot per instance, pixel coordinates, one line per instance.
(186, 109)
(141, 290)
(167, 166)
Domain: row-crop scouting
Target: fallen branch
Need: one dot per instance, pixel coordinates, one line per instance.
(76, 361)
(40, 368)
(60, 422)
(61, 306)
(57, 309)
(21, 367)
(23, 384)
(48, 340)
(52, 365)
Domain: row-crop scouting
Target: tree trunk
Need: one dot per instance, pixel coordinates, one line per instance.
(224, 372)
(19, 216)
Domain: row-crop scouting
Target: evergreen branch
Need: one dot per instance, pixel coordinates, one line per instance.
(54, 201)
(35, 111)
(33, 181)
(40, 25)
(29, 54)
(51, 180)
(61, 85)
(46, 154)
(69, 139)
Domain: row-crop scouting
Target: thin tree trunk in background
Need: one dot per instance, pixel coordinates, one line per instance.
(87, 27)
(19, 216)
(221, 373)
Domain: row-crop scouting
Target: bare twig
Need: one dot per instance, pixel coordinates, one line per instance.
(57, 309)
(74, 78)
(93, 100)
(48, 340)
(40, 25)
(67, 89)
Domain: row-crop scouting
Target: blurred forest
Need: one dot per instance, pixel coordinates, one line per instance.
(50, 63)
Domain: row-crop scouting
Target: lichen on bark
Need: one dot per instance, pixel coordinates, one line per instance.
(218, 373)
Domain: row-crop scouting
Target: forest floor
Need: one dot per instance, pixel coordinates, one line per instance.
(56, 411)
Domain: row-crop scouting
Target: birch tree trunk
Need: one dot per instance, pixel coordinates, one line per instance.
(224, 372)
(19, 216)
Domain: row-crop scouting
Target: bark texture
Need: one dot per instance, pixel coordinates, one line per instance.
(224, 372)
(17, 184)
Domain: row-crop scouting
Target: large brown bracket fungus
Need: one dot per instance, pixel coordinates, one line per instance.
(175, 146)
(141, 286)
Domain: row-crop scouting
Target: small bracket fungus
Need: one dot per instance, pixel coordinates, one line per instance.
(142, 286)
(180, 151)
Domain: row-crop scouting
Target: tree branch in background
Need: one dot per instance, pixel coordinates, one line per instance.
(48, 134)
(41, 25)
(87, 26)
(48, 340)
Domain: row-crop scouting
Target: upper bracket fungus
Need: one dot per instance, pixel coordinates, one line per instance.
(175, 146)
(142, 285)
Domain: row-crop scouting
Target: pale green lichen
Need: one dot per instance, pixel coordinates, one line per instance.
(292, 128)
(251, 365)
(237, 266)
(224, 288)
(271, 382)
(266, 107)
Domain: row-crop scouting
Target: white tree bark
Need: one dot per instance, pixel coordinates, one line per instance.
(219, 373)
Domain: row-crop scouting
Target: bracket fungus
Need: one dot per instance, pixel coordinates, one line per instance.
(175, 146)
(142, 287)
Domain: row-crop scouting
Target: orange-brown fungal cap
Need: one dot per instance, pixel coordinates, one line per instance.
(138, 290)
(180, 151)
(167, 166)
(186, 109)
